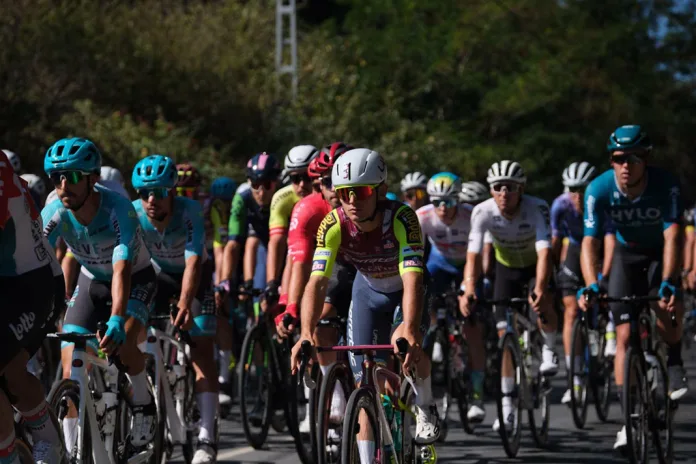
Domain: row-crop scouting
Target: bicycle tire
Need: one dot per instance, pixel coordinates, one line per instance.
(303, 445)
(339, 372)
(158, 443)
(461, 392)
(511, 441)
(601, 372)
(361, 399)
(445, 389)
(69, 389)
(579, 348)
(636, 438)
(540, 399)
(191, 412)
(256, 336)
(664, 445)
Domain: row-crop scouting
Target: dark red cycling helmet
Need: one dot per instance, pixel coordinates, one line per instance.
(314, 170)
(188, 176)
(329, 153)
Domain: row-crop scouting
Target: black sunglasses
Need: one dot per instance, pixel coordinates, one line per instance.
(326, 182)
(630, 158)
(266, 184)
(297, 178)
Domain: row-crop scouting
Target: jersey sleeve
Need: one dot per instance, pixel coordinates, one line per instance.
(237, 226)
(51, 218)
(328, 245)
(126, 224)
(557, 218)
(281, 209)
(487, 237)
(195, 229)
(219, 228)
(543, 228)
(300, 237)
(594, 214)
(408, 234)
(479, 228)
(672, 207)
(6, 185)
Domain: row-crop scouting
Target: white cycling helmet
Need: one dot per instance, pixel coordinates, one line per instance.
(414, 180)
(506, 170)
(110, 174)
(35, 183)
(299, 157)
(14, 160)
(578, 174)
(360, 166)
(444, 184)
(473, 192)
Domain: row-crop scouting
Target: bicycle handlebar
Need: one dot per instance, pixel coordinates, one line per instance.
(636, 300)
(515, 302)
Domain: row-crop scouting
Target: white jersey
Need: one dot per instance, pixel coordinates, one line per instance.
(516, 240)
(451, 240)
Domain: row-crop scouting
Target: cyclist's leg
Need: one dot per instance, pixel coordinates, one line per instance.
(440, 276)
(260, 272)
(8, 453)
(568, 282)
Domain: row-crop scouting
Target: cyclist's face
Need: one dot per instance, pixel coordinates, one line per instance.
(329, 193)
(301, 183)
(158, 208)
(629, 166)
(507, 196)
(263, 192)
(576, 197)
(415, 198)
(358, 210)
(73, 196)
(445, 213)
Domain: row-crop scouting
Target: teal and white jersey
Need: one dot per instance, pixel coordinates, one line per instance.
(183, 237)
(113, 235)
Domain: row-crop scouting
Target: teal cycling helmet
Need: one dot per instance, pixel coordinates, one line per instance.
(629, 137)
(75, 154)
(155, 171)
(392, 196)
(223, 187)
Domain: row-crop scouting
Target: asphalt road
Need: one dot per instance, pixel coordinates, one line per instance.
(568, 445)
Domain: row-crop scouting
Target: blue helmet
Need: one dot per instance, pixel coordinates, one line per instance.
(392, 196)
(263, 166)
(154, 171)
(73, 154)
(223, 187)
(629, 137)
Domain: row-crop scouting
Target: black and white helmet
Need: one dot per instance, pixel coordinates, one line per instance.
(35, 183)
(111, 174)
(473, 192)
(299, 157)
(14, 160)
(360, 166)
(578, 174)
(506, 170)
(414, 180)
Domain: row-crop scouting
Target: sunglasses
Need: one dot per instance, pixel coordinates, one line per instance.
(446, 201)
(257, 184)
(511, 188)
(629, 158)
(157, 192)
(298, 178)
(71, 177)
(576, 189)
(418, 194)
(326, 182)
(188, 192)
(358, 192)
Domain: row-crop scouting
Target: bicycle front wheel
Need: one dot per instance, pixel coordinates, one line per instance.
(635, 401)
(510, 423)
(362, 401)
(578, 378)
(329, 432)
(601, 370)
(65, 396)
(255, 387)
(663, 409)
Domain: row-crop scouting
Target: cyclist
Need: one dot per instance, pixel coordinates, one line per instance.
(175, 235)
(413, 189)
(306, 218)
(37, 188)
(189, 182)
(296, 163)
(13, 158)
(644, 203)
(446, 223)
(519, 225)
(472, 194)
(111, 174)
(26, 264)
(383, 240)
(117, 280)
(566, 222)
(689, 241)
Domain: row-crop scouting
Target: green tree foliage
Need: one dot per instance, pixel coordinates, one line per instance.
(431, 84)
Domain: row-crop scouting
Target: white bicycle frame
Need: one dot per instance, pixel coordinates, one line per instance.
(102, 451)
(175, 411)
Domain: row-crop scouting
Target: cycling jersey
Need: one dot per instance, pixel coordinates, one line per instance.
(449, 241)
(217, 217)
(182, 238)
(281, 208)
(247, 218)
(640, 222)
(113, 235)
(566, 220)
(516, 240)
(304, 223)
(381, 255)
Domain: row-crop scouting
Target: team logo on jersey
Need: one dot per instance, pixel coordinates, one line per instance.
(409, 219)
(319, 265)
(589, 208)
(413, 261)
(323, 230)
(23, 326)
(623, 216)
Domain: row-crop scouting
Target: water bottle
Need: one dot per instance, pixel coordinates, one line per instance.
(110, 405)
(594, 342)
(180, 374)
(651, 362)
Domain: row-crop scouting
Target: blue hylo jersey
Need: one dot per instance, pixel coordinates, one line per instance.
(113, 235)
(640, 222)
(184, 236)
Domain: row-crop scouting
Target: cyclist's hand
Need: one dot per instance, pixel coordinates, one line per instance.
(540, 297)
(415, 351)
(296, 354)
(466, 303)
(115, 335)
(272, 292)
(184, 320)
(284, 332)
(248, 285)
(586, 295)
(668, 295)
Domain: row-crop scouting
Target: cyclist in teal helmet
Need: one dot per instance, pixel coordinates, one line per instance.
(223, 188)
(74, 160)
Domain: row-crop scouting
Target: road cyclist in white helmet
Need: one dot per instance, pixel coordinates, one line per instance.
(446, 223)
(13, 158)
(37, 188)
(567, 225)
(519, 225)
(413, 189)
(473, 193)
(383, 240)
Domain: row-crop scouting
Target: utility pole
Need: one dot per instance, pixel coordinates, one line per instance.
(286, 41)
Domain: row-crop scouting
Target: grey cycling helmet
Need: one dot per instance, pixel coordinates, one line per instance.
(506, 171)
(360, 166)
(578, 174)
(414, 180)
(473, 192)
(299, 157)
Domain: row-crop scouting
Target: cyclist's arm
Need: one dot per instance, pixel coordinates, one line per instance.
(250, 249)
(195, 243)
(609, 245)
(277, 248)
(472, 270)
(543, 247)
(281, 209)
(488, 254)
(593, 218)
(688, 248)
(410, 242)
(219, 241)
(237, 229)
(120, 287)
(557, 231)
(328, 243)
(71, 269)
(671, 255)
(556, 249)
(125, 220)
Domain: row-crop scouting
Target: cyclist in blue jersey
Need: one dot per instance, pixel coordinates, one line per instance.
(117, 281)
(644, 203)
(566, 223)
(27, 263)
(174, 233)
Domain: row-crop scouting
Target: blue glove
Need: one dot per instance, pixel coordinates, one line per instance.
(116, 329)
(589, 291)
(667, 289)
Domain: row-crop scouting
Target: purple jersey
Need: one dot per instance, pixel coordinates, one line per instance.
(566, 221)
